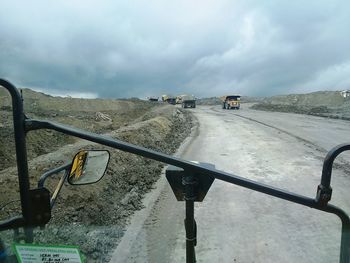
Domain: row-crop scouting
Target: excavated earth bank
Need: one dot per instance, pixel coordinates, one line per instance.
(329, 104)
(92, 217)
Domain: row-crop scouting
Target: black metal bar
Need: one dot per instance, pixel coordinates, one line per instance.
(190, 239)
(324, 190)
(20, 144)
(328, 163)
(189, 182)
(186, 165)
(345, 243)
(345, 235)
(324, 194)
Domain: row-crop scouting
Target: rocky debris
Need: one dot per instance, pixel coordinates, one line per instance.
(102, 117)
(79, 113)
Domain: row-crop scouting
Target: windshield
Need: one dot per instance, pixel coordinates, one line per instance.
(150, 86)
(234, 98)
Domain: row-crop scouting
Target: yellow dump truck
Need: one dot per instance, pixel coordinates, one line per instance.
(231, 102)
(179, 99)
(169, 98)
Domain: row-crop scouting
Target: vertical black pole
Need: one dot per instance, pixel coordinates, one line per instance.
(324, 194)
(21, 152)
(189, 184)
(345, 243)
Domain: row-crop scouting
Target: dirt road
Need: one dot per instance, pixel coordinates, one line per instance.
(239, 225)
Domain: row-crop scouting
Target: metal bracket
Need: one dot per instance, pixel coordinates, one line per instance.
(190, 187)
(41, 209)
(323, 195)
(177, 180)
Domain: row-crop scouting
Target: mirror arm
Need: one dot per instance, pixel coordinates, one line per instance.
(58, 188)
(54, 171)
(50, 173)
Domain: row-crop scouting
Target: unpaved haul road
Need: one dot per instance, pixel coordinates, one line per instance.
(237, 224)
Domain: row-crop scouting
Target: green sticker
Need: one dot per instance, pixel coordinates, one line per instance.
(32, 253)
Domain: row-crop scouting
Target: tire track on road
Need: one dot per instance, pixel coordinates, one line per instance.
(311, 144)
(341, 164)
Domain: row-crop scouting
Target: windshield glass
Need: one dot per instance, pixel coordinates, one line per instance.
(139, 117)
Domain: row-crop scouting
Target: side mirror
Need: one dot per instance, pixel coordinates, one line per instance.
(88, 167)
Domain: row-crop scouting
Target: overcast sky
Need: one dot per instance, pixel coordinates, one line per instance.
(144, 48)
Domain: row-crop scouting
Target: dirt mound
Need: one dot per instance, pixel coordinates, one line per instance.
(93, 217)
(96, 115)
(323, 103)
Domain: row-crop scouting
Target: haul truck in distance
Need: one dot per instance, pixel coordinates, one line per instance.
(188, 101)
(153, 98)
(169, 98)
(231, 102)
(179, 99)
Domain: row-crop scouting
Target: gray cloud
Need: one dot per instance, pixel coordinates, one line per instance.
(150, 48)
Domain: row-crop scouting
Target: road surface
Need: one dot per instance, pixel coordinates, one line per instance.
(236, 224)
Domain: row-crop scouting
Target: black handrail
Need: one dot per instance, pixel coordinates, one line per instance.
(186, 165)
(328, 163)
(20, 144)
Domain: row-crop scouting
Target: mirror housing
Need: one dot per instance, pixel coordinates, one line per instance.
(88, 167)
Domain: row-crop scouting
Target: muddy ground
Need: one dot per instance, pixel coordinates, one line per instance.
(92, 217)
